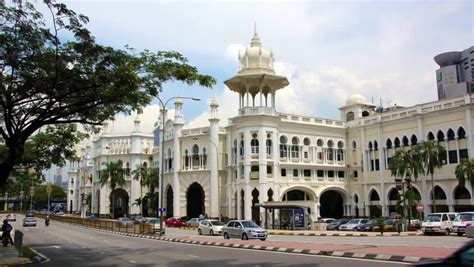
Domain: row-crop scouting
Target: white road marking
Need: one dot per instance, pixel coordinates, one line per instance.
(133, 261)
(193, 256)
(58, 247)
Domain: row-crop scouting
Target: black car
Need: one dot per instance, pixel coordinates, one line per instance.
(461, 257)
(335, 225)
(366, 227)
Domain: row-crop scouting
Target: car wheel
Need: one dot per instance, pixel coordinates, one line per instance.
(211, 232)
(459, 234)
(199, 232)
(226, 236)
(245, 237)
(263, 239)
(448, 231)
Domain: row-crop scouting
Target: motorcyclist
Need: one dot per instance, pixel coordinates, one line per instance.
(46, 221)
(6, 232)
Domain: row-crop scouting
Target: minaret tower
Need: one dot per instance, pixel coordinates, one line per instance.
(256, 81)
(213, 157)
(135, 160)
(178, 126)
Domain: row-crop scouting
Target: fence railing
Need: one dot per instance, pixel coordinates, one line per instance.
(112, 225)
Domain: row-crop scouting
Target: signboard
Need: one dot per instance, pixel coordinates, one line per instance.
(162, 209)
(299, 218)
(420, 207)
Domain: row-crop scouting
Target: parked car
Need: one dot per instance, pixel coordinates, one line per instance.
(11, 217)
(210, 227)
(175, 222)
(59, 213)
(156, 224)
(389, 225)
(137, 218)
(194, 222)
(350, 225)
(438, 223)
(461, 221)
(335, 225)
(124, 221)
(415, 224)
(464, 256)
(244, 230)
(326, 220)
(366, 227)
(29, 221)
(92, 217)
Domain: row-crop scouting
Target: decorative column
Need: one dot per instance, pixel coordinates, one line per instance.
(213, 160)
(262, 162)
(247, 188)
(178, 126)
(136, 148)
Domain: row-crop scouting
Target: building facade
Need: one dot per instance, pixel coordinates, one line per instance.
(266, 164)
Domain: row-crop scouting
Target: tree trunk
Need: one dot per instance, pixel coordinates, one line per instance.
(15, 152)
(433, 193)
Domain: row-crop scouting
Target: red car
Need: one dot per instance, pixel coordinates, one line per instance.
(175, 222)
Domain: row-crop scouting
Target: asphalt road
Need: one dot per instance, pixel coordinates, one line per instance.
(440, 241)
(67, 245)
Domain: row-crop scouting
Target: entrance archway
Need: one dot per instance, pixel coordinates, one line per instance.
(169, 201)
(374, 204)
(462, 199)
(255, 209)
(440, 196)
(394, 206)
(331, 203)
(119, 199)
(195, 201)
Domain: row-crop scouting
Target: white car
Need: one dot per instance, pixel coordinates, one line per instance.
(352, 224)
(438, 223)
(462, 221)
(210, 227)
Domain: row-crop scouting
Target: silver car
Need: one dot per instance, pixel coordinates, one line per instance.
(210, 227)
(194, 222)
(244, 229)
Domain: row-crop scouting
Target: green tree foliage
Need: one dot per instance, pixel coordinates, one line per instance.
(465, 172)
(113, 175)
(49, 80)
(431, 156)
(148, 178)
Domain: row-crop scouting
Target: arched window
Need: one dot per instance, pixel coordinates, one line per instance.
(254, 144)
(431, 136)
(319, 142)
(461, 133)
(354, 145)
(306, 141)
(295, 147)
(242, 148)
(330, 150)
(376, 146)
(234, 152)
(451, 136)
(388, 143)
(397, 142)
(374, 196)
(269, 146)
(170, 160)
(195, 157)
(204, 157)
(186, 159)
(370, 146)
(340, 151)
(350, 116)
(365, 113)
(414, 140)
(405, 141)
(440, 136)
(283, 146)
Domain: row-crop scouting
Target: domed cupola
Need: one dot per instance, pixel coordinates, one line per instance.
(256, 82)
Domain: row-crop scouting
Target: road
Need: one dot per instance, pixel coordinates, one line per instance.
(440, 241)
(67, 245)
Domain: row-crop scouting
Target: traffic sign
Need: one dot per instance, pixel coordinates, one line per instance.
(420, 207)
(162, 209)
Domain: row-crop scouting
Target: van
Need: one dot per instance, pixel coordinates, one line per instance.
(463, 220)
(438, 223)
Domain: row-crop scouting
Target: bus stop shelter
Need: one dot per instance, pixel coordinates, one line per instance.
(291, 216)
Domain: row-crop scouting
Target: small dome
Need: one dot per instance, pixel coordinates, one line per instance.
(256, 59)
(357, 99)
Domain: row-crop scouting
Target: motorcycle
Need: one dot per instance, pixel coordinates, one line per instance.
(5, 239)
(46, 222)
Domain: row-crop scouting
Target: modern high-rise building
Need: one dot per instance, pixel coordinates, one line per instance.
(455, 77)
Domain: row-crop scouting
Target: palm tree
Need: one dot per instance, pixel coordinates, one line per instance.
(431, 156)
(115, 176)
(465, 172)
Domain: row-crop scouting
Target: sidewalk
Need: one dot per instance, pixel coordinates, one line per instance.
(340, 233)
(9, 256)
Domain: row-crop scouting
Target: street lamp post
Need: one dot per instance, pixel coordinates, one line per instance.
(160, 182)
(22, 195)
(32, 193)
(48, 191)
(5, 207)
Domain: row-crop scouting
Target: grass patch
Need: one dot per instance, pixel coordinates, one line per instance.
(28, 253)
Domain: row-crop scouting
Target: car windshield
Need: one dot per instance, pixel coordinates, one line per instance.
(154, 221)
(463, 217)
(433, 218)
(353, 221)
(249, 224)
(30, 219)
(217, 223)
(124, 219)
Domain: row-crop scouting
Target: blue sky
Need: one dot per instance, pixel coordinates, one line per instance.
(329, 50)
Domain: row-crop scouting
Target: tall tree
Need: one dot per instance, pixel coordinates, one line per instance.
(53, 72)
(114, 176)
(146, 176)
(431, 156)
(465, 172)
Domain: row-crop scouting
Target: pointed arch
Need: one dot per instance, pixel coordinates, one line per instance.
(405, 141)
(440, 136)
(461, 133)
(450, 134)
(414, 140)
(388, 143)
(430, 136)
(397, 142)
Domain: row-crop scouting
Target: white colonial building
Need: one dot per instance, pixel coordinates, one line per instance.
(266, 165)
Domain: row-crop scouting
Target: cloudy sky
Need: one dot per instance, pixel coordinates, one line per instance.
(329, 50)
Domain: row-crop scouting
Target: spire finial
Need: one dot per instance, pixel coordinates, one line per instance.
(255, 29)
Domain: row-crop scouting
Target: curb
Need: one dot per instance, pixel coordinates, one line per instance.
(367, 256)
(342, 234)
